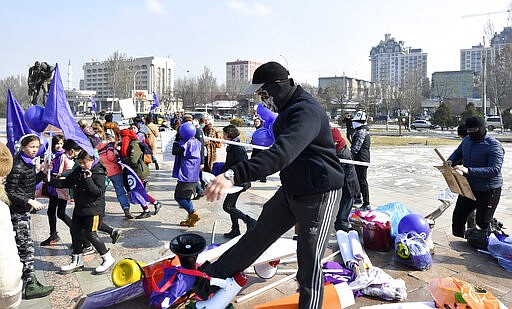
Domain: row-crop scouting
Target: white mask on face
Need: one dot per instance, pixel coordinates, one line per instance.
(268, 101)
(356, 124)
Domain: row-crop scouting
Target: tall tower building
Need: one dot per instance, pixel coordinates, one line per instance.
(392, 62)
(239, 75)
(70, 76)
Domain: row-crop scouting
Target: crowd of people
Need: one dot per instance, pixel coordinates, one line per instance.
(317, 193)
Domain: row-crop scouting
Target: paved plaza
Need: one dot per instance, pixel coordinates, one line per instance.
(399, 174)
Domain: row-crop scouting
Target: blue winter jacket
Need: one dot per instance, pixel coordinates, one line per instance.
(484, 159)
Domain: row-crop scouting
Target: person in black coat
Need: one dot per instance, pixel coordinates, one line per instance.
(20, 186)
(234, 155)
(88, 184)
(351, 185)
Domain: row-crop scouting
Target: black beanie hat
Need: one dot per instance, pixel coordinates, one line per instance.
(475, 122)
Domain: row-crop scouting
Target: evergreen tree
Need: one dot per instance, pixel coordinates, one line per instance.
(470, 111)
(443, 116)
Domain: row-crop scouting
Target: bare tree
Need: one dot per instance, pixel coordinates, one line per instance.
(19, 88)
(412, 92)
(499, 80)
(206, 86)
(119, 75)
(335, 96)
(186, 89)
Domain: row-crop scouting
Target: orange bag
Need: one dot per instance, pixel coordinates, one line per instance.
(449, 292)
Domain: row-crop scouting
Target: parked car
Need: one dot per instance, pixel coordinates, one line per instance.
(493, 122)
(421, 124)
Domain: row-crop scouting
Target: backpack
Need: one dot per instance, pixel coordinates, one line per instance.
(147, 153)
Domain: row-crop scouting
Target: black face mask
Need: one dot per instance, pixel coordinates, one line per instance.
(478, 135)
(278, 93)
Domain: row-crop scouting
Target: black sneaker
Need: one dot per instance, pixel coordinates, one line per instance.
(157, 207)
(116, 233)
(232, 234)
(157, 167)
(88, 250)
(144, 215)
(365, 207)
(52, 240)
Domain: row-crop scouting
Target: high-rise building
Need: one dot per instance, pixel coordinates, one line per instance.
(471, 58)
(239, 75)
(392, 62)
(146, 74)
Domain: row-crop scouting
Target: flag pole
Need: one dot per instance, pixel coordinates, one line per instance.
(265, 148)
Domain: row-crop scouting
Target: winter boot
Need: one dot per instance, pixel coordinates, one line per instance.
(107, 262)
(52, 240)
(235, 231)
(191, 220)
(77, 263)
(34, 289)
(116, 233)
(157, 205)
(127, 214)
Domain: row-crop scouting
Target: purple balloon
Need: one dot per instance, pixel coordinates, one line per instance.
(187, 130)
(43, 147)
(414, 222)
(266, 115)
(262, 137)
(33, 117)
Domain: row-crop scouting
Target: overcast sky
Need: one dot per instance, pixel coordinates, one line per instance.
(314, 38)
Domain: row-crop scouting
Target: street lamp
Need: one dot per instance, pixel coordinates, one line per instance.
(285, 61)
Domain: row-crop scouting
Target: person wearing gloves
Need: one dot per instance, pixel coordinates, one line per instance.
(360, 149)
(20, 186)
(480, 158)
(311, 178)
(11, 268)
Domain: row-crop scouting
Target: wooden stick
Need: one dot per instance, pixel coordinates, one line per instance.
(268, 287)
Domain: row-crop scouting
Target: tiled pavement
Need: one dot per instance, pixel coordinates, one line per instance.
(403, 174)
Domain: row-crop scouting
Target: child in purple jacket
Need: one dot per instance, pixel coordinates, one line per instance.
(187, 164)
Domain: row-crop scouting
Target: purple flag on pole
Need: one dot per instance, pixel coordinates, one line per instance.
(58, 113)
(155, 104)
(93, 107)
(15, 123)
(133, 184)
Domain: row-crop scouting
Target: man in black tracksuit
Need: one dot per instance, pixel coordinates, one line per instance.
(311, 177)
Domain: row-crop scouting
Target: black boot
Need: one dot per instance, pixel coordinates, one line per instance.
(235, 231)
(127, 214)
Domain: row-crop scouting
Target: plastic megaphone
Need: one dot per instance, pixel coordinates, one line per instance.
(266, 270)
(187, 247)
(127, 271)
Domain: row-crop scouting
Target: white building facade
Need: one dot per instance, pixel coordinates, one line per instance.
(147, 74)
(391, 62)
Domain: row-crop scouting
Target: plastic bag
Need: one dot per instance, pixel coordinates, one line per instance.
(501, 250)
(396, 212)
(412, 250)
(449, 292)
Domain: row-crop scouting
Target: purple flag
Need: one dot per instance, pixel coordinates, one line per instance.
(58, 113)
(15, 124)
(93, 107)
(155, 104)
(133, 184)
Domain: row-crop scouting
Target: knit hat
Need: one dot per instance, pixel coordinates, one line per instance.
(266, 73)
(474, 122)
(339, 141)
(5, 160)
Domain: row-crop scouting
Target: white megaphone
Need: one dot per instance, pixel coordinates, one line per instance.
(266, 270)
(229, 288)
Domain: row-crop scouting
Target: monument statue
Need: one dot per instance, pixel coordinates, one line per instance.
(39, 77)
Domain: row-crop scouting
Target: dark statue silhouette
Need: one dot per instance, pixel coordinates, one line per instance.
(39, 77)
